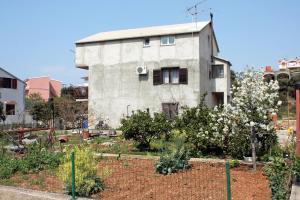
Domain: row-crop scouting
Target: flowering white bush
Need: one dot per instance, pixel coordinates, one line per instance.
(253, 104)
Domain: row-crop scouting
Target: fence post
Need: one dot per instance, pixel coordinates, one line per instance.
(228, 180)
(73, 175)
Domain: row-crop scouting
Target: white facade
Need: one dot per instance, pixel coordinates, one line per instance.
(13, 98)
(116, 90)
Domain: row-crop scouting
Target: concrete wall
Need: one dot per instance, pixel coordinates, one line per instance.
(222, 84)
(16, 96)
(115, 89)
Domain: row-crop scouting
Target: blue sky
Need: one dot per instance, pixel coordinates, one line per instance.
(37, 36)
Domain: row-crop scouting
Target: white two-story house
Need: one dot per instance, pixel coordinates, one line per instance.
(12, 96)
(158, 69)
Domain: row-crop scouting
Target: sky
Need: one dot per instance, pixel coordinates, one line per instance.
(37, 36)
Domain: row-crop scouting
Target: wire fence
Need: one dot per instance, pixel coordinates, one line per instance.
(136, 179)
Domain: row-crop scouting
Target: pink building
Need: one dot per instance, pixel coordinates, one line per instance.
(45, 86)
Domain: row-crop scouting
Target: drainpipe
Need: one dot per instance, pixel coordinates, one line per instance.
(297, 87)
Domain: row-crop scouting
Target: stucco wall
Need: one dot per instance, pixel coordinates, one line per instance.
(115, 89)
(14, 95)
(114, 86)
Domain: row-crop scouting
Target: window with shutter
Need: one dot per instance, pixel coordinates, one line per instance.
(14, 83)
(183, 76)
(157, 77)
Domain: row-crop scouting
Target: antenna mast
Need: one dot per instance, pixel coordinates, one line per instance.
(193, 11)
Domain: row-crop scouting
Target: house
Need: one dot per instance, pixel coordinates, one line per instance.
(157, 69)
(45, 86)
(12, 95)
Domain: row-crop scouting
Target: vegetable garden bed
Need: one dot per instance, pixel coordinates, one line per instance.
(136, 179)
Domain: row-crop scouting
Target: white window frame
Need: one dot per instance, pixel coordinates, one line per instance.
(168, 39)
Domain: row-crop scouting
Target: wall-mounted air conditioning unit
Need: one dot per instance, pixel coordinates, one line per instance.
(141, 69)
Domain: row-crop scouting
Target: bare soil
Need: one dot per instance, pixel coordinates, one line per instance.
(135, 179)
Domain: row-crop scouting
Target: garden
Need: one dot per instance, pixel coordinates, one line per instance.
(155, 157)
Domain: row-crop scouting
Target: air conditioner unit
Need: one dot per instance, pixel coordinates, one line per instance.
(141, 70)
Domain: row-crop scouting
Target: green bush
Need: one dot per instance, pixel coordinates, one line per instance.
(197, 124)
(86, 180)
(173, 161)
(279, 173)
(143, 128)
(8, 167)
(33, 161)
(37, 159)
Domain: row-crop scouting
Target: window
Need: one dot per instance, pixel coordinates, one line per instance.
(172, 75)
(170, 110)
(147, 42)
(218, 71)
(8, 83)
(10, 109)
(167, 40)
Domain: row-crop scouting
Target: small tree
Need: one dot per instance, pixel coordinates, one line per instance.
(143, 128)
(254, 102)
(38, 108)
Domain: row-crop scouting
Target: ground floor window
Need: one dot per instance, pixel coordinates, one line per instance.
(218, 98)
(170, 110)
(10, 109)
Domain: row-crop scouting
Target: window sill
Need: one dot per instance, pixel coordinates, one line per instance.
(167, 44)
(146, 46)
(218, 78)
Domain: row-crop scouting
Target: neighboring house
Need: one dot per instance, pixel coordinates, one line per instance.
(12, 95)
(156, 69)
(45, 86)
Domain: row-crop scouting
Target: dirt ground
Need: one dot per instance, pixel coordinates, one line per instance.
(135, 179)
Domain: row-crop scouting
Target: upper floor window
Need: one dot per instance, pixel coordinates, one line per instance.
(217, 71)
(8, 83)
(167, 40)
(147, 42)
(172, 75)
(10, 109)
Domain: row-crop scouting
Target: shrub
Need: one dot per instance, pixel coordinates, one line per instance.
(173, 161)
(34, 160)
(86, 180)
(234, 163)
(143, 128)
(8, 167)
(197, 124)
(37, 159)
(279, 173)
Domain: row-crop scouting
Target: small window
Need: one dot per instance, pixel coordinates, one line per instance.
(218, 71)
(167, 40)
(147, 42)
(10, 109)
(170, 110)
(5, 83)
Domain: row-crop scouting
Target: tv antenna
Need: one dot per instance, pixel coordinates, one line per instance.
(193, 11)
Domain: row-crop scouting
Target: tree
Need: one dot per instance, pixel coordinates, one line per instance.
(38, 108)
(143, 128)
(253, 104)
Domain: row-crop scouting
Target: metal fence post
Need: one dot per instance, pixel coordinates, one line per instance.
(73, 175)
(228, 180)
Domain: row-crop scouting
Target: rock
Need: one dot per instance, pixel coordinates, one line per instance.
(107, 144)
(29, 141)
(15, 148)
